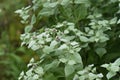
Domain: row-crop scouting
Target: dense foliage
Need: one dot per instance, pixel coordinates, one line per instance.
(75, 39)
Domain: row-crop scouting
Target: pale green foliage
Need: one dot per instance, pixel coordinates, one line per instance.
(88, 73)
(34, 73)
(71, 30)
(24, 14)
(113, 68)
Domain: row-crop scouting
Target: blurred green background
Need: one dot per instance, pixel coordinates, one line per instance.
(13, 58)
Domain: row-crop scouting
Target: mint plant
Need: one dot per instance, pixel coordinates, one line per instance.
(72, 35)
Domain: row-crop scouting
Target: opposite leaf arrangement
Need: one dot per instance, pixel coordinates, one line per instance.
(73, 39)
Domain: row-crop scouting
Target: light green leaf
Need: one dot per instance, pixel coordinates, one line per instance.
(66, 31)
(77, 58)
(114, 68)
(29, 72)
(47, 49)
(71, 62)
(65, 2)
(28, 28)
(69, 38)
(82, 77)
(32, 60)
(64, 60)
(117, 62)
(92, 76)
(76, 77)
(118, 22)
(39, 70)
(31, 43)
(52, 65)
(19, 11)
(105, 65)
(82, 72)
(100, 51)
(48, 39)
(84, 39)
(103, 38)
(110, 75)
(71, 27)
(113, 21)
(100, 75)
(35, 47)
(74, 43)
(64, 40)
(81, 1)
(64, 46)
(53, 43)
(46, 12)
(25, 17)
(59, 25)
(35, 77)
(48, 4)
(69, 69)
(33, 20)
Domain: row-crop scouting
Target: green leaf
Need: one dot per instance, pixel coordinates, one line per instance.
(28, 28)
(81, 1)
(74, 43)
(63, 60)
(117, 62)
(39, 70)
(47, 49)
(48, 4)
(77, 58)
(31, 43)
(29, 72)
(80, 12)
(118, 22)
(48, 39)
(66, 31)
(53, 43)
(64, 46)
(35, 77)
(32, 60)
(33, 20)
(35, 47)
(103, 38)
(69, 69)
(18, 11)
(59, 25)
(65, 2)
(105, 65)
(114, 68)
(71, 62)
(84, 39)
(110, 75)
(92, 76)
(46, 12)
(82, 77)
(113, 21)
(100, 51)
(52, 65)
